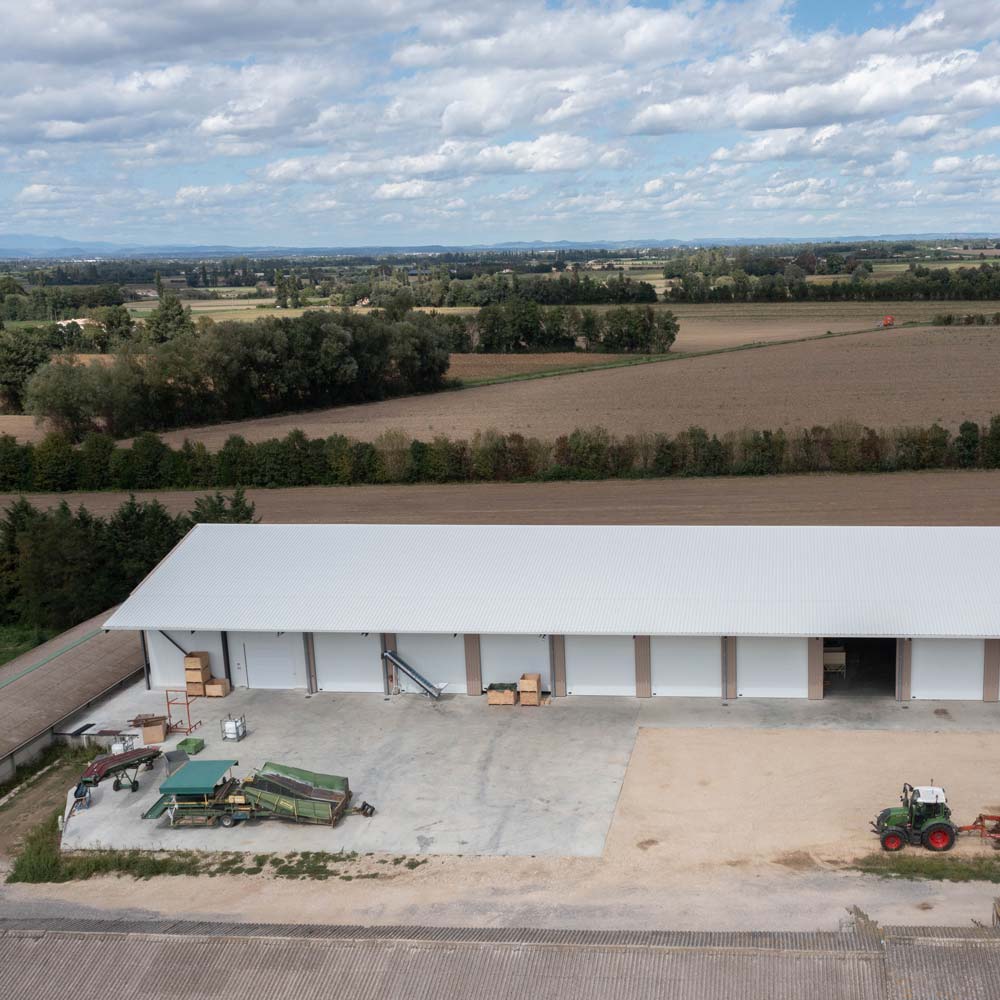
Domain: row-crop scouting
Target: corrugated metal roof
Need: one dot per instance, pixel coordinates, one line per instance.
(540, 579)
(44, 965)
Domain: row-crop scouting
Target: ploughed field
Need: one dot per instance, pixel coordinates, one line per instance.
(920, 498)
(881, 379)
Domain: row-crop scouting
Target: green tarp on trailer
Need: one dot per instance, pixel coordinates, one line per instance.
(301, 810)
(334, 782)
(197, 777)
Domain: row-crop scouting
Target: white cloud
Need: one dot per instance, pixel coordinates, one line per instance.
(535, 112)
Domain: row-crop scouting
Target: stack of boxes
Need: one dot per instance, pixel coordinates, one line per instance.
(197, 673)
(530, 689)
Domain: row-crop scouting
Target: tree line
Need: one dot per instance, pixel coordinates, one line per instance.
(53, 303)
(174, 371)
(55, 465)
(59, 567)
(178, 374)
(919, 283)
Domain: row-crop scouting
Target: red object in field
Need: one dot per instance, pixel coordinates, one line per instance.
(888, 321)
(980, 825)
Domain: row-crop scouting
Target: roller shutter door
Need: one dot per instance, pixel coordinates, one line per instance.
(439, 658)
(686, 666)
(600, 664)
(267, 659)
(166, 661)
(505, 657)
(947, 669)
(772, 668)
(348, 661)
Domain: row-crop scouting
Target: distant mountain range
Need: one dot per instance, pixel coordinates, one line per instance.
(26, 246)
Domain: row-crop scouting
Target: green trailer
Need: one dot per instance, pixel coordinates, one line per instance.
(203, 793)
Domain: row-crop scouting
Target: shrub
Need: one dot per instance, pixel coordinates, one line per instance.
(55, 463)
(967, 445)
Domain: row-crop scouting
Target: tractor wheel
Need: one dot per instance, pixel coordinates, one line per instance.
(228, 820)
(116, 785)
(939, 837)
(893, 839)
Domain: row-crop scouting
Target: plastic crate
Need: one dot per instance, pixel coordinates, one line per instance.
(191, 745)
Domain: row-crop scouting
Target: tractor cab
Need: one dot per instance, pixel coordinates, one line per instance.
(923, 817)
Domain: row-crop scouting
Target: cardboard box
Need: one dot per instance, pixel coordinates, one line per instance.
(530, 689)
(195, 689)
(501, 696)
(154, 733)
(195, 661)
(530, 684)
(218, 687)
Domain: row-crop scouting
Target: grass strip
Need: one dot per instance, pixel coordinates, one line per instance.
(42, 861)
(930, 866)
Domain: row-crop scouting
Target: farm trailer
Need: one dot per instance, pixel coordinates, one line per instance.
(203, 793)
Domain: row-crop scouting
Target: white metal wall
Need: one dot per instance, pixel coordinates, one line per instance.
(348, 661)
(504, 658)
(438, 657)
(947, 669)
(267, 659)
(166, 661)
(600, 664)
(686, 666)
(772, 668)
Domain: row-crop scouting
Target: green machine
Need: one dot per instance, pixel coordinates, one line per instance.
(204, 793)
(923, 817)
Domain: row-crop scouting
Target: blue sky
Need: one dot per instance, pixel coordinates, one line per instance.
(303, 122)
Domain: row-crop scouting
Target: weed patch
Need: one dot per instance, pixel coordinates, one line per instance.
(936, 867)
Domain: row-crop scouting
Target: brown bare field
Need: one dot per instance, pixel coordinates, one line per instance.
(933, 498)
(880, 379)
(469, 367)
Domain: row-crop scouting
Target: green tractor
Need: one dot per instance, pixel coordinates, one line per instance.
(923, 818)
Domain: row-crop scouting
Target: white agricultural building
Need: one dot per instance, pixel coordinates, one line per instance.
(721, 612)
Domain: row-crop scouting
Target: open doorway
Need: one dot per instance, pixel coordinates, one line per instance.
(859, 668)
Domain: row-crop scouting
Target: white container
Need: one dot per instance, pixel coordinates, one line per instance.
(234, 729)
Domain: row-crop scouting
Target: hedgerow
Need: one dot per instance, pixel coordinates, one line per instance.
(98, 463)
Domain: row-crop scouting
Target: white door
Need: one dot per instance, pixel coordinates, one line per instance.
(505, 657)
(267, 659)
(600, 664)
(947, 669)
(772, 668)
(686, 666)
(347, 661)
(438, 658)
(166, 660)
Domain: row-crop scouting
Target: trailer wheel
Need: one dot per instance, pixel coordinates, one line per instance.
(228, 820)
(135, 785)
(893, 839)
(116, 785)
(939, 837)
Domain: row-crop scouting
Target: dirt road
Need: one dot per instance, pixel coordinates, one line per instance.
(951, 497)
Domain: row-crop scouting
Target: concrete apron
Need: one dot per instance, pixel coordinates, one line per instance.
(453, 777)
